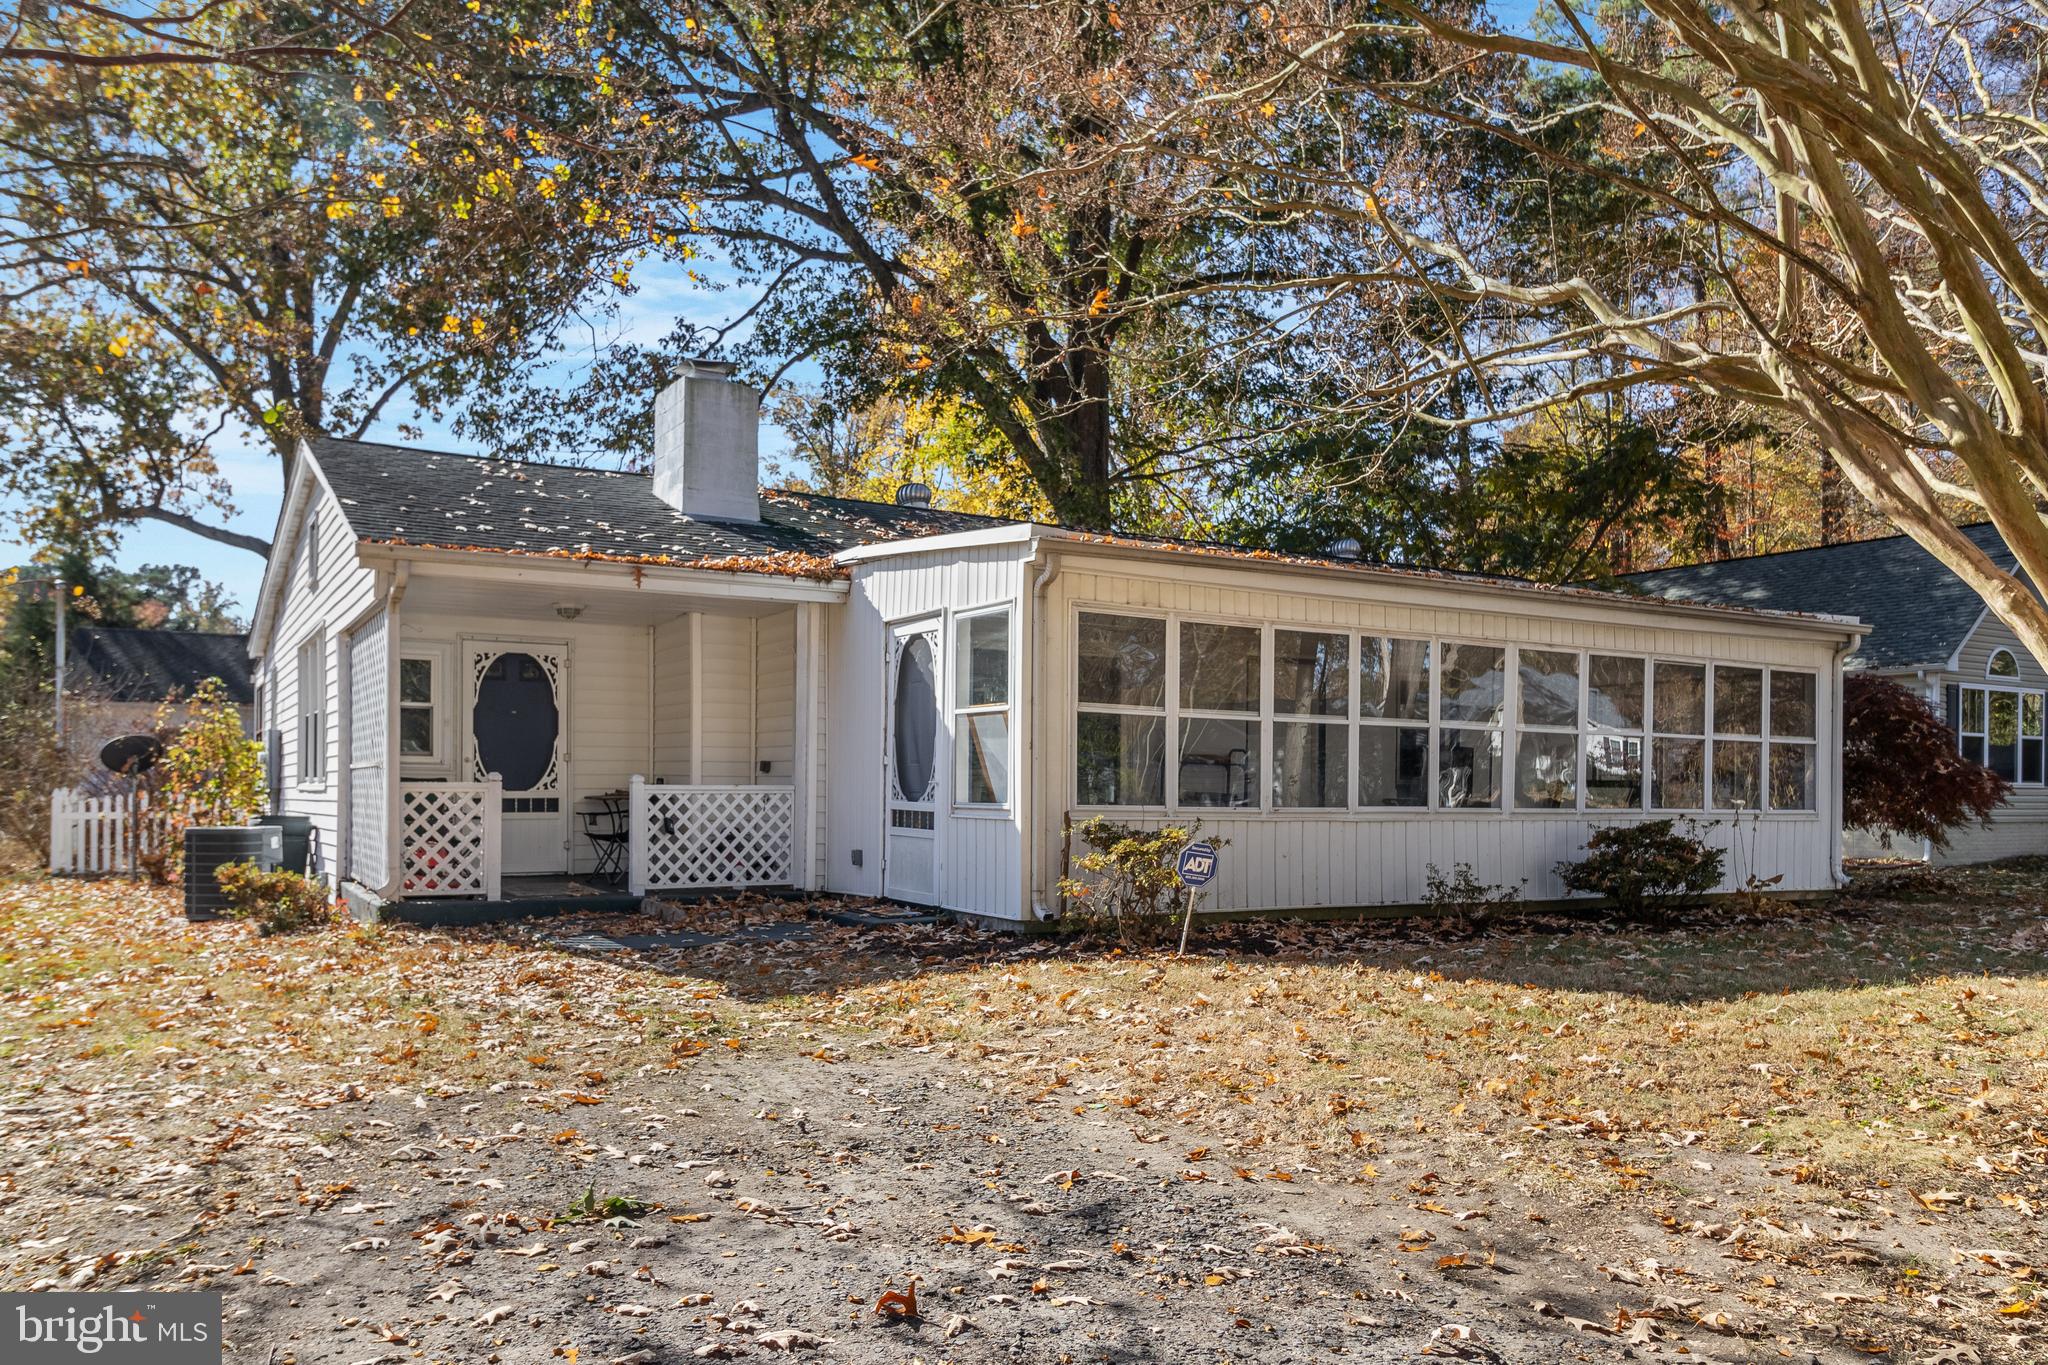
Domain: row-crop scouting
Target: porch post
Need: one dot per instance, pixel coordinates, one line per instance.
(494, 837)
(638, 829)
(803, 859)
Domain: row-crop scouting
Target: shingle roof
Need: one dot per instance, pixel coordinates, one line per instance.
(123, 664)
(400, 495)
(433, 498)
(1919, 612)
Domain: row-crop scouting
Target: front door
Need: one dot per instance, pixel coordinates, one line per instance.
(910, 844)
(519, 729)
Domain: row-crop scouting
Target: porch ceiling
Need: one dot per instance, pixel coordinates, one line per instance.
(603, 603)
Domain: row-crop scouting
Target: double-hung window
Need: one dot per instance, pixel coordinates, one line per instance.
(1120, 731)
(419, 733)
(1471, 704)
(312, 734)
(1547, 742)
(1218, 738)
(1311, 719)
(981, 708)
(1393, 721)
(1738, 738)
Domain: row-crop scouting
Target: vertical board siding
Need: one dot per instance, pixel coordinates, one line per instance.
(345, 590)
(1317, 860)
(774, 698)
(727, 674)
(980, 855)
(671, 748)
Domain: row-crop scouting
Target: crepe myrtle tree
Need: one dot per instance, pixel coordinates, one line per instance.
(1833, 216)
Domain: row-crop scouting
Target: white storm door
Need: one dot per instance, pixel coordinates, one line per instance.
(518, 727)
(911, 764)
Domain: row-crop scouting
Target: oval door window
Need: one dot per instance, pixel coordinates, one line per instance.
(516, 721)
(916, 721)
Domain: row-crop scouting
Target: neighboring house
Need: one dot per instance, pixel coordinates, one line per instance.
(777, 688)
(118, 678)
(1928, 631)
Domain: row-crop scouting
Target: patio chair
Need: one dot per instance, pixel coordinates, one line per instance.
(604, 824)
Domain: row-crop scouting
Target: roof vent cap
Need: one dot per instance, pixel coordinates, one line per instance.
(913, 495)
(1347, 548)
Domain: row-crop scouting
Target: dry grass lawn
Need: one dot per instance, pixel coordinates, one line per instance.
(1849, 1103)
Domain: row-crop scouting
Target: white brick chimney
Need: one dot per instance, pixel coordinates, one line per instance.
(707, 439)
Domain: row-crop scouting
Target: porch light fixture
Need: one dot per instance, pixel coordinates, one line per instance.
(913, 495)
(568, 611)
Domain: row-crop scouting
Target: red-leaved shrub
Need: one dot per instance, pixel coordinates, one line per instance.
(1901, 771)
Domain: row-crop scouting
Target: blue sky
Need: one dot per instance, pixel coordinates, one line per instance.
(665, 295)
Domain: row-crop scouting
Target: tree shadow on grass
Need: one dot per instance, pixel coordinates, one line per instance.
(1889, 928)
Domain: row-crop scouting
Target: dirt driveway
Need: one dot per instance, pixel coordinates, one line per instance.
(503, 1146)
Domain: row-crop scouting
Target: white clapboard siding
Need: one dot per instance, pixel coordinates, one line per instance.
(327, 602)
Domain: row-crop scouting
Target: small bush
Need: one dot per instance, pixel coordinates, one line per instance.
(1130, 885)
(280, 902)
(1646, 867)
(211, 774)
(1463, 898)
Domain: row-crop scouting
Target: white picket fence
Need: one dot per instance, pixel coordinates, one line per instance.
(97, 835)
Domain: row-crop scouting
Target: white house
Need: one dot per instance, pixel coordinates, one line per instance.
(463, 662)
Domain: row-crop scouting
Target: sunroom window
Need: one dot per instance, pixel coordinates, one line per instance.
(1120, 733)
(1678, 749)
(1738, 738)
(1614, 732)
(1219, 715)
(981, 709)
(1547, 743)
(1311, 719)
(1393, 721)
(1468, 748)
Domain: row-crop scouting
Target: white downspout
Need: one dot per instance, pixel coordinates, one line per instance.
(1035, 697)
(1835, 796)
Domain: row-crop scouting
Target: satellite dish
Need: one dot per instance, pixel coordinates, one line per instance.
(131, 754)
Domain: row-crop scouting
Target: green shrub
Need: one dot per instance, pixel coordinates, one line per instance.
(1130, 885)
(279, 901)
(1646, 867)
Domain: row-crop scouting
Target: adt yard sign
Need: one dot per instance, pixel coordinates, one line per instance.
(1196, 864)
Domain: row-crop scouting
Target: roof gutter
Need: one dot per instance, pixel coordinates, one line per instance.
(569, 571)
(1449, 581)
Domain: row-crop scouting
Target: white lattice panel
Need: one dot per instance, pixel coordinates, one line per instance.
(447, 839)
(717, 836)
